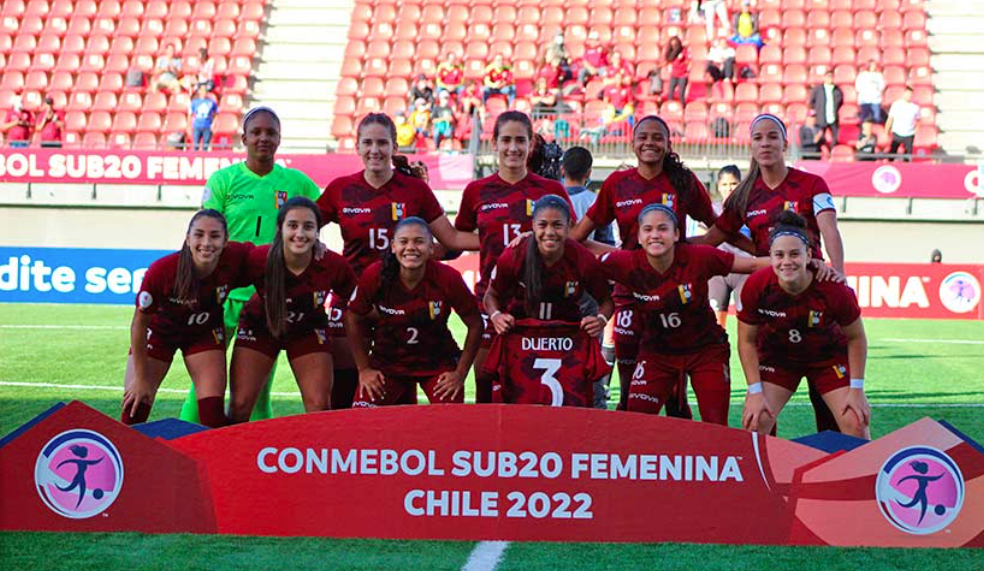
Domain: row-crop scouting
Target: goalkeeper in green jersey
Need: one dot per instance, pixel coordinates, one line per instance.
(249, 194)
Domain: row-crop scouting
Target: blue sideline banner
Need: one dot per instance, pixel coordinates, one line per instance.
(73, 275)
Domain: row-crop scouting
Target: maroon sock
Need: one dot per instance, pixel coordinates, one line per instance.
(211, 412)
(343, 388)
(143, 413)
(483, 388)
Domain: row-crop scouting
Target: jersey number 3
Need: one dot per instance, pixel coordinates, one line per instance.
(550, 368)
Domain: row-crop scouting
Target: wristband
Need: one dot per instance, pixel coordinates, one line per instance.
(857, 384)
(603, 319)
(494, 313)
(755, 388)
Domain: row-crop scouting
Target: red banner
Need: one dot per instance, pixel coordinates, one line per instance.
(906, 180)
(194, 168)
(506, 472)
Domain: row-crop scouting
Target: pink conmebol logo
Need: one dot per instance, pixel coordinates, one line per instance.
(886, 179)
(78, 474)
(920, 490)
(960, 292)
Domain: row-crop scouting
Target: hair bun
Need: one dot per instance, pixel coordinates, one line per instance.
(791, 218)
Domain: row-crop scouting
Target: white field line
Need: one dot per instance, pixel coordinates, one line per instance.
(940, 341)
(486, 556)
(119, 388)
(68, 327)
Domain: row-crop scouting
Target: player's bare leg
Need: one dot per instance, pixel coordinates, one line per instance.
(777, 397)
(483, 383)
(346, 377)
(314, 374)
(155, 372)
(208, 375)
(247, 375)
(848, 421)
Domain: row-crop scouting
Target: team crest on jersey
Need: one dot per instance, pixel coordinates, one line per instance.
(789, 205)
(221, 293)
(434, 309)
(686, 293)
(840, 371)
(814, 319)
(529, 207)
(322, 338)
(669, 200)
(319, 298)
(281, 198)
(570, 288)
(218, 334)
(399, 210)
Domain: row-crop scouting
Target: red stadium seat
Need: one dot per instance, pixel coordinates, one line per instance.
(793, 37)
(922, 95)
(43, 62)
(179, 102)
(99, 121)
(85, 8)
(105, 101)
(145, 142)
(344, 105)
(843, 55)
(19, 62)
(37, 8)
(31, 25)
(894, 75)
(131, 101)
(36, 80)
(794, 74)
(818, 19)
(93, 62)
(153, 102)
(253, 11)
(149, 123)
(794, 55)
(79, 25)
(372, 87)
(866, 38)
(769, 93)
(13, 8)
(848, 114)
(916, 38)
(201, 28)
(394, 105)
(796, 113)
(917, 57)
(61, 81)
(842, 37)
(56, 26)
(770, 54)
(845, 74)
(820, 56)
(94, 140)
(176, 28)
(402, 67)
(913, 20)
(696, 132)
(123, 122)
(27, 44)
(695, 111)
(342, 126)
(921, 75)
(746, 92)
(75, 121)
(790, 19)
(111, 82)
(156, 9)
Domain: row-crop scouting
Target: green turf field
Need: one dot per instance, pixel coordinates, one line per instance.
(52, 353)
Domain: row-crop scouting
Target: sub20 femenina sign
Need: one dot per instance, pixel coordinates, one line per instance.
(493, 472)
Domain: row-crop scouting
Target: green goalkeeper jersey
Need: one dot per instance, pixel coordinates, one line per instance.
(250, 202)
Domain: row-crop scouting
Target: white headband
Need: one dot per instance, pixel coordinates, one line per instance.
(769, 117)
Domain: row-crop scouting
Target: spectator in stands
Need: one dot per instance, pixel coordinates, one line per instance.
(621, 107)
(50, 124)
(167, 70)
(618, 69)
(936, 257)
(870, 84)
(678, 58)
(206, 71)
(826, 101)
(450, 74)
(499, 81)
(721, 61)
(811, 138)
(420, 120)
(421, 90)
(405, 133)
(442, 117)
(594, 62)
(17, 123)
(201, 113)
(903, 116)
(544, 99)
(866, 145)
(746, 26)
(707, 10)
(471, 101)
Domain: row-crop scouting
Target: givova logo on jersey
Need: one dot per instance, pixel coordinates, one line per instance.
(78, 474)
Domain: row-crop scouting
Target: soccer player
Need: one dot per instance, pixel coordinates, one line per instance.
(287, 312)
(249, 194)
(660, 178)
(367, 205)
(720, 288)
(409, 297)
(769, 188)
(180, 307)
(680, 335)
(793, 325)
(500, 207)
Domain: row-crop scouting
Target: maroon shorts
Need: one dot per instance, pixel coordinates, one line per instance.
(488, 330)
(402, 389)
(658, 377)
(163, 347)
(628, 330)
(297, 344)
(788, 375)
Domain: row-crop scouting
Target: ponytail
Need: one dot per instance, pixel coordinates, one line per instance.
(738, 201)
(274, 279)
(416, 169)
(185, 280)
(532, 277)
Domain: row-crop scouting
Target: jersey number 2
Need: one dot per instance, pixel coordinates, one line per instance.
(550, 368)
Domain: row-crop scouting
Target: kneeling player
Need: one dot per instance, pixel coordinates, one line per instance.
(287, 312)
(180, 307)
(408, 298)
(793, 325)
(680, 334)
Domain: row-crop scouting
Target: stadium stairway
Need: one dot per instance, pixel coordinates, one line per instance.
(299, 68)
(958, 60)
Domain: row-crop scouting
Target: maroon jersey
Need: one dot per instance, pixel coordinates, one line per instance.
(201, 313)
(306, 293)
(501, 211)
(411, 335)
(576, 272)
(803, 329)
(624, 194)
(676, 315)
(551, 363)
(803, 192)
(367, 215)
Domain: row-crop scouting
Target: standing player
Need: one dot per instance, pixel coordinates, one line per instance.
(180, 307)
(287, 312)
(793, 325)
(659, 178)
(679, 335)
(410, 298)
(770, 188)
(500, 207)
(720, 288)
(249, 194)
(367, 206)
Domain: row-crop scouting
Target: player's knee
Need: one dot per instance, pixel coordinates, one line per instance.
(315, 402)
(850, 424)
